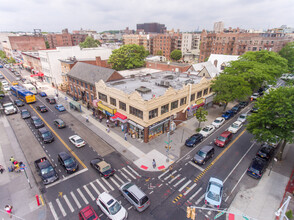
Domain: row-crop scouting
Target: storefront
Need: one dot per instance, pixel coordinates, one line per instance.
(136, 130)
(158, 128)
(191, 111)
(120, 120)
(107, 111)
(209, 101)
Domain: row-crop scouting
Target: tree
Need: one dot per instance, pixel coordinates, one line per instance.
(128, 57)
(176, 55)
(287, 52)
(2, 54)
(159, 53)
(89, 42)
(47, 45)
(201, 115)
(274, 121)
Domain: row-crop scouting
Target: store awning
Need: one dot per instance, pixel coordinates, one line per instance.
(38, 74)
(119, 117)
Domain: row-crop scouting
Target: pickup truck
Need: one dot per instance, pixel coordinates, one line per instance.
(9, 108)
(46, 170)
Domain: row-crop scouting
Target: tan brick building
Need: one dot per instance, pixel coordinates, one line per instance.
(138, 39)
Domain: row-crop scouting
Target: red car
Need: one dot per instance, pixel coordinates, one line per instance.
(88, 213)
(223, 139)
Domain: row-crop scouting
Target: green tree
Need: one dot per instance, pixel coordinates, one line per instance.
(176, 55)
(89, 42)
(128, 57)
(159, 53)
(287, 52)
(2, 54)
(47, 45)
(201, 115)
(274, 121)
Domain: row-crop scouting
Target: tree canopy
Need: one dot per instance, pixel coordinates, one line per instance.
(2, 54)
(201, 115)
(128, 57)
(176, 55)
(89, 42)
(287, 52)
(274, 120)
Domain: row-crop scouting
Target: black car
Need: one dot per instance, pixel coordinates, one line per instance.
(18, 103)
(45, 135)
(37, 122)
(103, 168)
(236, 109)
(193, 140)
(50, 100)
(266, 151)
(42, 108)
(25, 114)
(257, 167)
(59, 123)
(67, 162)
(254, 109)
(243, 104)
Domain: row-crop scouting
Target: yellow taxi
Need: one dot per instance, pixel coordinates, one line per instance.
(14, 83)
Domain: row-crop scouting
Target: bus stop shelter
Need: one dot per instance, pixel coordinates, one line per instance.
(75, 105)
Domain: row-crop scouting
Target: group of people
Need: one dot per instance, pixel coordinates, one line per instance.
(15, 165)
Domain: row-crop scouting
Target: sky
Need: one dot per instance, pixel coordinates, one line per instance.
(186, 15)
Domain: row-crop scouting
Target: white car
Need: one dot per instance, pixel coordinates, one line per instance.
(207, 130)
(254, 96)
(4, 83)
(214, 193)
(77, 141)
(218, 122)
(235, 127)
(111, 207)
(6, 87)
(242, 118)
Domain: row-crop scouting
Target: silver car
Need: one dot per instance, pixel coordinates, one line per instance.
(214, 193)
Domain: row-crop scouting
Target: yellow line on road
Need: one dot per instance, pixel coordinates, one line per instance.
(62, 141)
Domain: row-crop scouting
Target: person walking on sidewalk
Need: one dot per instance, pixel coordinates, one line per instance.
(12, 159)
(1, 169)
(107, 122)
(154, 164)
(8, 209)
(87, 118)
(126, 136)
(108, 129)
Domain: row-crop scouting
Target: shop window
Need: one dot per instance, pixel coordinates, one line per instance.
(183, 101)
(153, 113)
(164, 109)
(102, 96)
(122, 106)
(174, 104)
(136, 112)
(112, 101)
(199, 94)
(205, 92)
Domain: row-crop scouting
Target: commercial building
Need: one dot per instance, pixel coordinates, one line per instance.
(65, 39)
(151, 28)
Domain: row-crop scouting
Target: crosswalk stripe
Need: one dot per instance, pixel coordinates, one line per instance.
(116, 176)
(185, 193)
(170, 175)
(88, 191)
(94, 187)
(134, 171)
(53, 211)
(100, 184)
(180, 181)
(61, 208)
(75, 199)
(68, 203)
(162, 174)
(201, 198)
(127, 178)
(108, 184)
(129, 173)
(82, 195)
(173, 179)
(195, 165)
(186, 184)
(115, 182)
(195, 194)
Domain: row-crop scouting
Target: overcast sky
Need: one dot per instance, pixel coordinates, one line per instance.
(100, 15)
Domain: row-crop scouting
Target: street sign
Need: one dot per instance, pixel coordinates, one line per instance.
(168, 142)
(219, 215)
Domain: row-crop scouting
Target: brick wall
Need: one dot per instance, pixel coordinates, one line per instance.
(27, 43)
(166, 67)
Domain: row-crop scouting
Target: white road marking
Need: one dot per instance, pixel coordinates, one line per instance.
(100, 184)
(124, 176)
(160, 185)
(180, 169)
(186, 184)
(53, 211)
(201, 198)
(94, 187)
(108, 184)
(192, 197)
(236, 185)
(88, 191)
(115, 182)
(185, 193)
(75, 199)
(82, 195)
(162, 174)
(151, 192)
(130, 207)
(68, 203)
(129, 173)
(173, 179)
(61, 208)
(180, 181)
(170, 175)
(195, 165)
(134, 171)
(116, 176)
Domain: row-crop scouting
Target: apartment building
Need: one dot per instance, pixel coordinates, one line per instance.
(138, 39)
(65, 39)
(190, 47)
(164, 44)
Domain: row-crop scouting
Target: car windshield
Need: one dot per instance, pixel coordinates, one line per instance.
(201, 154)
(235, 125)
(217, 121)
(253, 170)
(242, 116)
(108, 167)
(78, 141)
(18, 101)
(42, 107)
(47, 134)
(114, 208)
(46, 170)
(206, 129)
(38, 120)
(221, 138)
(69, 161)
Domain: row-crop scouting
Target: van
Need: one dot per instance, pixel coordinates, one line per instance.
(203, 155)
(135, 196)
(45, 135)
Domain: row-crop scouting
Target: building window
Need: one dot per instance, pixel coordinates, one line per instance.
(164, 109)
(79, 92)
(153, 113)
(77, 82)
(87, 96)
(174, 105)
(102, 97)
(183, 101)
(205, 92)
(192, 98)
(91, 87)
(136, 112)
(199, 94)
(112, 101)
(86, 85)
(122, 106)
(92, 98)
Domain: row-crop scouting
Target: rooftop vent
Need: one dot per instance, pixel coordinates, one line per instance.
(143, 89)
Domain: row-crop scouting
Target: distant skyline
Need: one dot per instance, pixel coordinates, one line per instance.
(188, 15)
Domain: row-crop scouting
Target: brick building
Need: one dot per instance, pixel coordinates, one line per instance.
(168, 66)
(138, 39)
(165, 44)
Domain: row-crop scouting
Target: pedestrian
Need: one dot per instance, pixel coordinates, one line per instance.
(1, 169)
(108, 129)
(87, 118)
(12, 159)
(107, 122)
(8, 209)
(100, 118)
(122, 127)
(126, 136)
(88, 105)
(154, 164)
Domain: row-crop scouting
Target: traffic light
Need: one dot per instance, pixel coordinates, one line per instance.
(193, 214)
(188, 212)
(168, 147)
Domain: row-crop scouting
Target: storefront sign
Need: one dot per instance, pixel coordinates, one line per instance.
(159, 123)
(106, 110)
(135, 124)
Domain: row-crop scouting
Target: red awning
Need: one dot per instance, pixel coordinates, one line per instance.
(120, 117)
(40, 74)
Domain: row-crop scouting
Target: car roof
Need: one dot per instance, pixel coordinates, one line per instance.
(219, 118)
(59, 120)
(64, 155)
(225, 134)
(106, 197)
(88, 211)
(43, 130)
(75, 137)
(206, 148)
(102, 164)
(238, 123)
(137, 191)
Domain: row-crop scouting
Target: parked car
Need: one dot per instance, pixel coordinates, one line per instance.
(45, 135)
(25, 114)
(88, 213)
(207, 130)
(214, 193)
(6, 88)
(254, 96)
(67, 162)
(77, 141)
(223, 139)
(228, 114)
(235, 127)
(4, 82)
(111, 207)
(218, 122)
(18, 103)
(236, 109)
(257, 167)
(193, 140)
(254, 109)
(42, 94)
(266, 151)
(59, 123)
(42, 108)
(37, 122)
(242, 118)
(1, 76)
(243, 104)
(135, 196)
(46, 171)
(60, 107)
(203, 155)
(103, 168)
(50, 100)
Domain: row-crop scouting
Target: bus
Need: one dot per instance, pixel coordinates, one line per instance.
(23, 94)
(31, 88)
